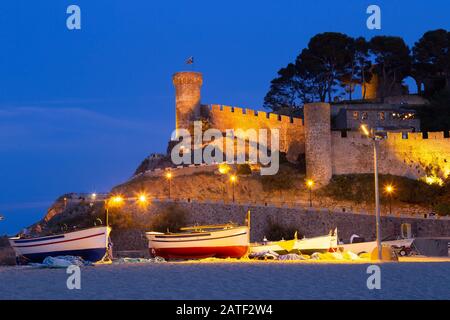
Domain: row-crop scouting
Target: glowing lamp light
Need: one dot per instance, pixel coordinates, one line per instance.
(365, 130)
(93, 196)
(310, 183)
(389, 188)
(117, 200)
(233, 178)
(169, 175)
(142, 198)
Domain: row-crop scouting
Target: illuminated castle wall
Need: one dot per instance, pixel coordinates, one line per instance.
(408, 155)
(326, 152)
(188, 108)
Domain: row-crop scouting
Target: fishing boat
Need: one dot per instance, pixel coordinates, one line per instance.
(324, 243)
(90, 244)
(198, 242)
(402, 246)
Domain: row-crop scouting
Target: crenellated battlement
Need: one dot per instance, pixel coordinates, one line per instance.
(395, 136)
(225, 111)
(415, 155)
(291, 129)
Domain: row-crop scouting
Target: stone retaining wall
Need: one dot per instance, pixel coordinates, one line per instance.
(308, 222)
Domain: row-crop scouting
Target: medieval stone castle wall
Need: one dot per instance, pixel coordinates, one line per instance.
(327, 153)
(291, 130)
(188, 109)
(407, 154)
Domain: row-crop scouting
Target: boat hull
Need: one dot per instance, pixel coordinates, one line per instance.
(317, 244)
(200, 252)
(227, 243)
(89, 244)
(305, 246)
(368, 247)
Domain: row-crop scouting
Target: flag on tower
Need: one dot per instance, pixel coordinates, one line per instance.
(190, 60)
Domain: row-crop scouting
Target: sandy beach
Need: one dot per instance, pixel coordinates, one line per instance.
(231, 280)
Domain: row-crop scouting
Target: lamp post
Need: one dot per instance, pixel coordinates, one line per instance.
(389, 189)
(375, 141)
(114, 201)
(233, 180)
(310, 184)
(223, 170)
(169, 178)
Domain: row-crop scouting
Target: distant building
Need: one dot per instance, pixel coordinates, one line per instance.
(387, 117)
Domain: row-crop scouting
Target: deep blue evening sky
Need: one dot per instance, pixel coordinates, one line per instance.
(80, 109)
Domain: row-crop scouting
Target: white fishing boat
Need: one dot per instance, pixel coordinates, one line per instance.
(402, 245)
(90, 244)
(318, 244)
(220, 241)
(305, 246)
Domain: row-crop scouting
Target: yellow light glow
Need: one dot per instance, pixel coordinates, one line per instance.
(389, 188)
(142, 198)
(434, 180)
(224, 168)
(169, 175)
(117, 200)
(365, 130)
(310, 183)
(233, 178)
(93, 196)
(447, 172)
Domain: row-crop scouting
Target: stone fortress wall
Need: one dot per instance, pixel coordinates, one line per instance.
(402, 154)
(326, 152)
(291, 130)
(309, 222)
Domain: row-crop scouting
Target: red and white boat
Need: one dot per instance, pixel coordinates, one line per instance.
(90, 244)
(198, 242)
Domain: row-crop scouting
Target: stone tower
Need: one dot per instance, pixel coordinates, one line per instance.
(317, 118)
(187, 97)
(371, 87)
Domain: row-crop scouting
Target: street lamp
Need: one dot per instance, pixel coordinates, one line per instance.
(142, 200)
(169, 178)
(389, 189)
(375, 141)
(310, 184)
(233, 180)
(223, 170)
(114, 201)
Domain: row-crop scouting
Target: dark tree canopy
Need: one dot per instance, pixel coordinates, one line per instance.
(333, 63)
(392, 61)
(431, 61)
(331, 60)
